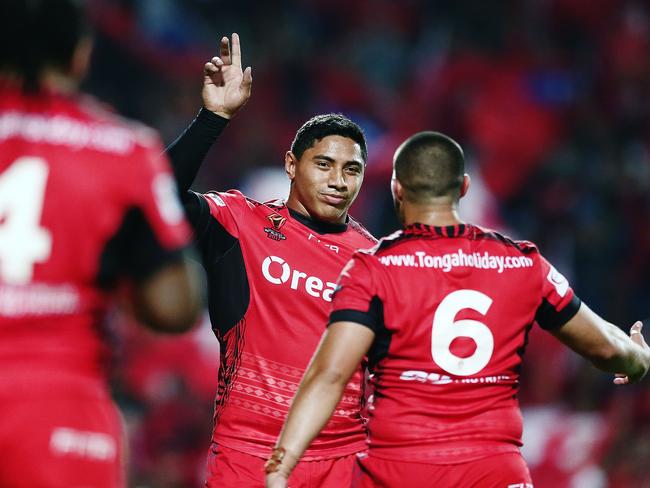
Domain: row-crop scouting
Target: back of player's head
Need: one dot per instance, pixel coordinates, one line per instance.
(430, 165)
(39, 34)
(325, 125)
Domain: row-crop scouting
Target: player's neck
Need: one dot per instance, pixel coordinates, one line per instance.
(296, 205)
(438, 214)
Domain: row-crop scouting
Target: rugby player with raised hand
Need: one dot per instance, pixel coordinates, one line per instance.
(442, 309)
(271, 271)
(86, 200)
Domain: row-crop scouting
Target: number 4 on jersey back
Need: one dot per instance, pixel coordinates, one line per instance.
(23, 242)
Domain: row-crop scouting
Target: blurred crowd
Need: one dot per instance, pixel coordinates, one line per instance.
(549, 98)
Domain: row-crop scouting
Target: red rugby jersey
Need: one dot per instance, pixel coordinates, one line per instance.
(84, 198)
(451, 308)
(272, 273)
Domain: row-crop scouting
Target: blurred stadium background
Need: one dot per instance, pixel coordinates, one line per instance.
(551, 101)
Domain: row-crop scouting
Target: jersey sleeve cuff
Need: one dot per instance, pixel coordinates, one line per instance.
(550, 319)
(357, 316)
(212, 121)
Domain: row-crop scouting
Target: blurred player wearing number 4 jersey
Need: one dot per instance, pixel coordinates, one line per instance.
(85, 199)
(271, 274)
(442, 308)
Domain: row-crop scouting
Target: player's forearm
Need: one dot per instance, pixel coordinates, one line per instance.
(188, 151)
(312, 407)
(604, 344)
(623, 355)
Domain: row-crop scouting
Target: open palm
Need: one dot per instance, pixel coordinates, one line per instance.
(226, 88)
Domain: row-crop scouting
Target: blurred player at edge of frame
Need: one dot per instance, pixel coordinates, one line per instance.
(271, 272)
(85, 201)
(442, 309)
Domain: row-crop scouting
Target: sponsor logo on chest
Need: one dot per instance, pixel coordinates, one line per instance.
(278, 272)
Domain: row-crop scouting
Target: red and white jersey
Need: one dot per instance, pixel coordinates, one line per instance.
(271, 276)
(84, 199)
(451, 308)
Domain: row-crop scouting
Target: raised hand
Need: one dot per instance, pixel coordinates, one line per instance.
(637, 337)
(226, 89)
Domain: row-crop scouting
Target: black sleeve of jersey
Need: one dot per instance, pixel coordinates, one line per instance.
(133, 252)
(373, 318)
(223, 260)
(550, 319)
(188, 151)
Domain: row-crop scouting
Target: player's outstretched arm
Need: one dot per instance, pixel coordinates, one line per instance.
(170, 299)
(607, 346)
(342, 348)
(226, 89)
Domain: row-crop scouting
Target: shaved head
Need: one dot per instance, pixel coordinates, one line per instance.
(429, 165)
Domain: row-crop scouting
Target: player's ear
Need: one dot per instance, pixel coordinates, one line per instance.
(290, 162)
(396, 189)
(464, 187)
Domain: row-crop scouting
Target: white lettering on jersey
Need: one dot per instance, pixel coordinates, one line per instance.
(558, 281)
(331, 247)
(216, 199)
(441, 379)
(458, 259)
(62, 130)
(283, 274)
(92, 445)
(424, 377)
(38, 299)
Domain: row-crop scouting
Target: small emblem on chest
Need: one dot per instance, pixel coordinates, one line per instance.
(274, 233)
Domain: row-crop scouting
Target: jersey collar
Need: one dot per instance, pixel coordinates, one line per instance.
(317, 225)
(458, 230)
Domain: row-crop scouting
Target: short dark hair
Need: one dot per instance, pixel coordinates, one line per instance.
(325, 125)
(39, 34)
(430, 164)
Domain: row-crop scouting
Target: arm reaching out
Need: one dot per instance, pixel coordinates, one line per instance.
(342, 348)
(607, 346)
(637, 337)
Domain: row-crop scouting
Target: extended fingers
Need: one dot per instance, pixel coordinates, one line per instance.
(236, 50)
(224, 50)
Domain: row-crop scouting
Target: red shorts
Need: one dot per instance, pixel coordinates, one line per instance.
(230, 468)
(57, 442)
(499, 471)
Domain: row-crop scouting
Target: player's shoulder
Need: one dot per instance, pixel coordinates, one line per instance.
(523, 246)
(371, 254)
(358, 229)
(385, 243)
(235, 198)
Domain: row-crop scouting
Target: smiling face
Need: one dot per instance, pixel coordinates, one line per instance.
(326, 179)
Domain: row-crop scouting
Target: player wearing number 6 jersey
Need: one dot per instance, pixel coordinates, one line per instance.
(442, 308)
(85, 200)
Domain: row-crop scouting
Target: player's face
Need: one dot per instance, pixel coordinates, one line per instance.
(326, 179)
